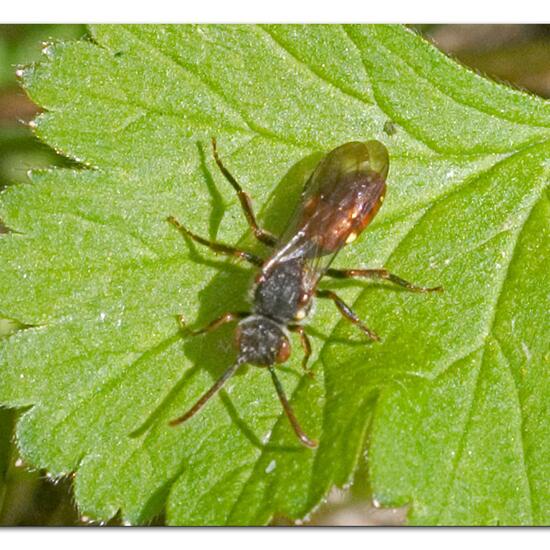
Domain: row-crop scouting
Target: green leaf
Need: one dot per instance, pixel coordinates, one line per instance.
(22, 44)
(451, 407)
(19, 150)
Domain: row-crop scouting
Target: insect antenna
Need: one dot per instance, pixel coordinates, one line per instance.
(290, 413)
(211, 392)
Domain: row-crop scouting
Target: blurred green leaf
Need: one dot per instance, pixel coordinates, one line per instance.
(22, 44)
(452, 405)
(19, 150)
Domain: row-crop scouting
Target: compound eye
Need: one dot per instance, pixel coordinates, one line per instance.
(284, 351)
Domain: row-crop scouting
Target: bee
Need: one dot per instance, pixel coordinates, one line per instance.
(339, 200)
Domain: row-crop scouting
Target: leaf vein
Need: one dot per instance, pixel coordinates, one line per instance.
(480, 107)
(524, 461)
(494, 308)
(233, 105)
(349, 93)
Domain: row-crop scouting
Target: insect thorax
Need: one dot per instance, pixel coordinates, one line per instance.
(279, 292)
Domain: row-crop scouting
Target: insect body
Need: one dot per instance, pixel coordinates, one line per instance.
(339, 200)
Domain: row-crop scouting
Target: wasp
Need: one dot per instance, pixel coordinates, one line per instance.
(341, 197)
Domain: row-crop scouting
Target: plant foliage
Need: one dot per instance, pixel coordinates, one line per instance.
(451, 407)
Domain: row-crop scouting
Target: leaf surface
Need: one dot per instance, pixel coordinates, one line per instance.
(451, 407)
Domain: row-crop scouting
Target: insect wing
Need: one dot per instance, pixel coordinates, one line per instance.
(343, 194)
(315, 260)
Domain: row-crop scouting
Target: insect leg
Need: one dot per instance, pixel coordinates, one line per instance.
(306, 345)
(202, 401)
(379, 274)
(347, 312)
(289, 412)
(227, 317)
(216, 247)
(261, 234)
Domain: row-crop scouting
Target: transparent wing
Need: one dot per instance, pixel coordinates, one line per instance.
(301, 246)
(339, 200)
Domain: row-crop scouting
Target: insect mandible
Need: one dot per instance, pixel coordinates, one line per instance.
(339, 200)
